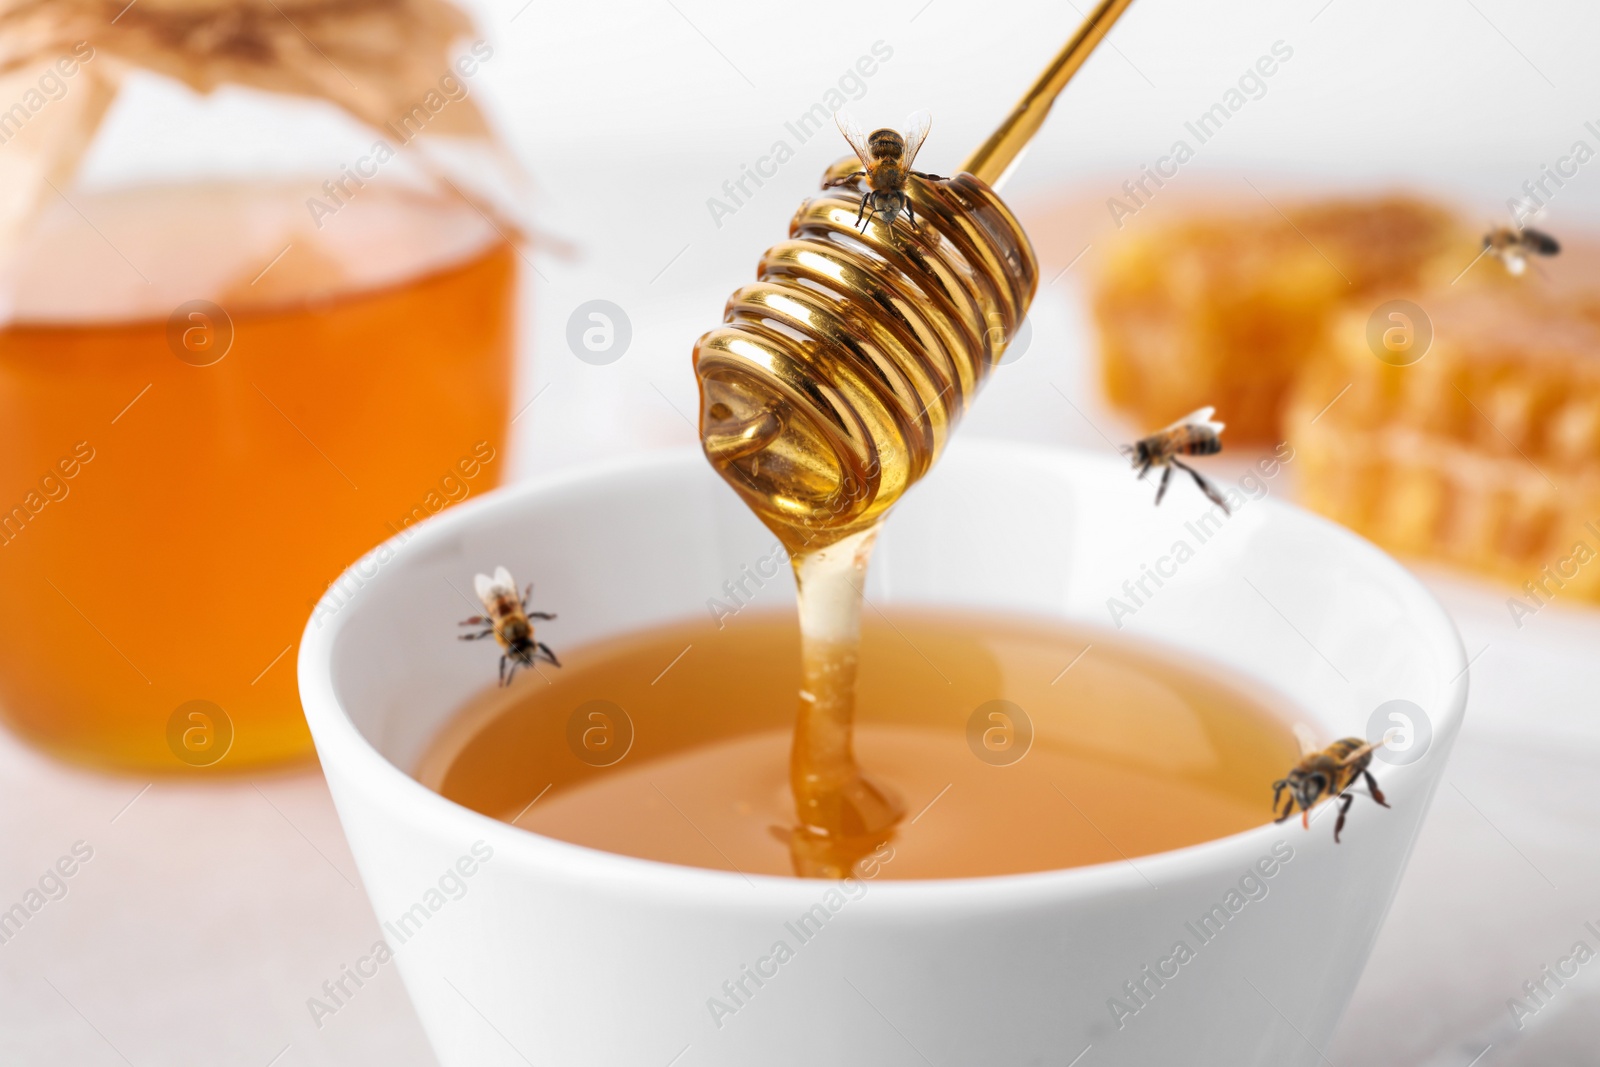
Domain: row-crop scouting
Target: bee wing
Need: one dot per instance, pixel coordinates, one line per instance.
(1364, 750)
(1307, 739)
(918, 123)
(489, 588)
(1201, 416)
(853, 133)
(1540, 242)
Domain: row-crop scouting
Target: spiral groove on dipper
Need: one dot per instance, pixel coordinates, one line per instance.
(837, 376)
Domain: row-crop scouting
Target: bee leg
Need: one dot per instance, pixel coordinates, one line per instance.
(1349, 799)
(503, 679)
(930, 177)
(476, 637)
(527, 595)
(551, 656)
(1205, 487)
(844, 179)
(476, 620)
(1372, 786)
(545, 615)
(862, 211)
(1166, 476)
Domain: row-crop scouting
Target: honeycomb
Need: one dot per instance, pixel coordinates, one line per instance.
(1225, 307)
(1484, 453)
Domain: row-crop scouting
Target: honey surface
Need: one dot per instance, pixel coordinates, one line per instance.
(1133, 750)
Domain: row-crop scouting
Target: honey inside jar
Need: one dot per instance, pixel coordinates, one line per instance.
(167, 523)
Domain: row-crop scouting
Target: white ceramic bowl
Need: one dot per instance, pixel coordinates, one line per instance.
(549, 953)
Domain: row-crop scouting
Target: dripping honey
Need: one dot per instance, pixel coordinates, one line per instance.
(1135, 750)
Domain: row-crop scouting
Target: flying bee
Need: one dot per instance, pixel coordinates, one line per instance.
(1327, 772)
(1513, 247)
(1193, 435)
(509, 622)
(886, 156)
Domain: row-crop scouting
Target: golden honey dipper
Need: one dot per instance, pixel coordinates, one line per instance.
(832, 387)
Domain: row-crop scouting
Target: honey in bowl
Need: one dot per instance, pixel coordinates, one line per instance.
(176, 492)
(1014, 744)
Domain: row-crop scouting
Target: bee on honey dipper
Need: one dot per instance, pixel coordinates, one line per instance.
(1514, 246)
(509, 622)
(1327, 772)
(886, 156)
(1196, 434)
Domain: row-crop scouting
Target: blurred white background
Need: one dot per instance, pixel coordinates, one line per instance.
(209, 915)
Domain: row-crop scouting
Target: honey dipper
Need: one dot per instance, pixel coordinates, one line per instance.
(831, 388)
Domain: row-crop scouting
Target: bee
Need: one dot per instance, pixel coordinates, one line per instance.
(1193, 435)
(886, 156)
(509, 622)
(1513, 246)
(1327, 772)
